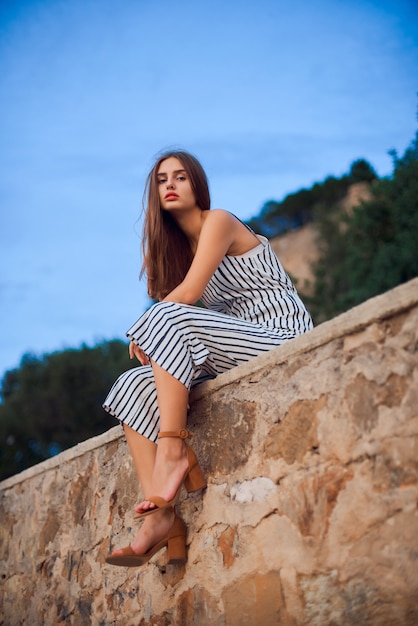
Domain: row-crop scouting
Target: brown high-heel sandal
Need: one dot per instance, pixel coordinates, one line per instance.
(193, 479)
(176, 549)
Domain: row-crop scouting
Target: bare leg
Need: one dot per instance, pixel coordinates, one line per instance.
(143, 453)
(154, 528)
(171, 459)
(161, 468)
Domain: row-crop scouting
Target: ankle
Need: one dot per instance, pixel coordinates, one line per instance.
(172, 449)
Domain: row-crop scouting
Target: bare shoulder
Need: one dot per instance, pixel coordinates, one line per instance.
(239, 238)
(220, 215)
(219, 218)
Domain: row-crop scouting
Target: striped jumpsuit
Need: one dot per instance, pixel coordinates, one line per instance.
(252, 307)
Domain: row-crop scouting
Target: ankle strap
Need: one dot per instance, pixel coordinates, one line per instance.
(180, 434)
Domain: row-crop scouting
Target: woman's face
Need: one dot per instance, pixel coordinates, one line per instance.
(174, 188)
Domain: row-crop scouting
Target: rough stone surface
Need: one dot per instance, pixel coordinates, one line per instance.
(310, 516)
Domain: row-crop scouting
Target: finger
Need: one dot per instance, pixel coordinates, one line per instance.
(144, 359)
(140, 355)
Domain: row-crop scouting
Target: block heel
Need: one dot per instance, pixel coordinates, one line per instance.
(194, 479)
(176, 549)
(176, 544)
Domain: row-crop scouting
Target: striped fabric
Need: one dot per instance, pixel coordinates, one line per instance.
(252, 307)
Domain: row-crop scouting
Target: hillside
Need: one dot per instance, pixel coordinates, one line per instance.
(298, 249)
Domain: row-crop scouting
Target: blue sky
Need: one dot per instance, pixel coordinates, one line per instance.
(270, 95)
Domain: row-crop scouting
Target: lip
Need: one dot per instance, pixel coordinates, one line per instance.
(170, 196)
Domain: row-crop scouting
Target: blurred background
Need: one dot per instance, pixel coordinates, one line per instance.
(271, 96)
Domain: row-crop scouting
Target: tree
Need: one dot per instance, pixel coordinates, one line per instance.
(299, 208)
(54, 401)
(361, 171)
(373, 249)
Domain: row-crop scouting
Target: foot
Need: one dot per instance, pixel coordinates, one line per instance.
(153, 530)
(170, 469)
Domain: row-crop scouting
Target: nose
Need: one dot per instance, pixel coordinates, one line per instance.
(170, 184)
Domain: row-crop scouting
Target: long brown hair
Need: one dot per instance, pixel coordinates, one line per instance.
(166, 249)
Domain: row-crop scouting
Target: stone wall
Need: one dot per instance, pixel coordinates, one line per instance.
(310, 516)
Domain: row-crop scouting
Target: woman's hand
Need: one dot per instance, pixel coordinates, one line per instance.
(135, 351)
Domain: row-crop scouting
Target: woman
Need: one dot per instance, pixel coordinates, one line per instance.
(191, 254)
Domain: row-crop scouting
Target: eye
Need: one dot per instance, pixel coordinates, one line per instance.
(161, 181)
(181, 177)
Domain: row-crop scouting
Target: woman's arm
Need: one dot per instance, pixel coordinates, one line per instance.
(219, 233)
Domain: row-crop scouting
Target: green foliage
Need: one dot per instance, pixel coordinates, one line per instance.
(361, 171)
(298, 208)
(54, 402)
(362, 254)
(373, 249)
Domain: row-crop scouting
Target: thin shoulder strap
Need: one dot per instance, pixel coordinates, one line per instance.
(243, 223)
